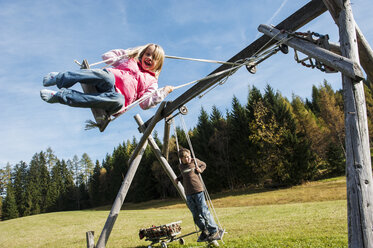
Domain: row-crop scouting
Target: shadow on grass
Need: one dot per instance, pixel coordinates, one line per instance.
(179, 203)
(324, 185)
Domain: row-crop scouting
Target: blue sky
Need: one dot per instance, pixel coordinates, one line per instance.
(40, 36)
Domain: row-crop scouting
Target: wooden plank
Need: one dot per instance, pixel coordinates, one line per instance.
(338, 62)
(297, 20)
(100, 115)
(358, 161)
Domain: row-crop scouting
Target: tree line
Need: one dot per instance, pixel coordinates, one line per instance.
(268, 141)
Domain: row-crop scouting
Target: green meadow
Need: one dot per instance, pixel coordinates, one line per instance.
(310, 215)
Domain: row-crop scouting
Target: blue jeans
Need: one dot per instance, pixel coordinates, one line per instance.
(106, 97)
(201, 214)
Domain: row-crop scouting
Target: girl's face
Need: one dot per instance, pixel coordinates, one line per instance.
(147, 60)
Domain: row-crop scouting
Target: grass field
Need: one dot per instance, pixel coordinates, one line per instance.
(310, 215)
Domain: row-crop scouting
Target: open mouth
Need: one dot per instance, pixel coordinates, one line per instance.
(147, 63)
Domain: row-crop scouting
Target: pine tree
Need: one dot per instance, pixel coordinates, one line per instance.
(310, 129)
(34, 194)
(5, 175)
(219, 174)
(294, 163)
(201, 136)
(20, 176)
(240, 148)
(87, 167)
(50, 158)
(9, 206)
(332, 115)
(94, 185)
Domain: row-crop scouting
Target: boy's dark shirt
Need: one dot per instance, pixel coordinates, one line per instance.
(191, 181)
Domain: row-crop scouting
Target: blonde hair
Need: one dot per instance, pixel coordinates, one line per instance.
(138, 52)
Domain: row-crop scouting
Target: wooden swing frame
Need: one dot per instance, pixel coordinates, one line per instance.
(358, 163)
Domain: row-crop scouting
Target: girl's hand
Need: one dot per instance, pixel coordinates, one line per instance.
(198, 170)
(169, 89)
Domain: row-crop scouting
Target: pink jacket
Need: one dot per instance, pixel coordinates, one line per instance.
(132, 81)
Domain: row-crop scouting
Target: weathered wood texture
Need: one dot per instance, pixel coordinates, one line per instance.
(340, 63)
(100, 115)
(166, 139)
(115, 209)
(162, 160)
(365, 51)
(297, 20)
(90, 239)
(134, 163)
(358, 161)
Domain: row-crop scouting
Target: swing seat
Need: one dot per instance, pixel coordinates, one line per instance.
(101, 117)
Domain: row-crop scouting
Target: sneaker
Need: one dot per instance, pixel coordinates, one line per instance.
(48, 96)
(203, 237)
(50, 79)
(216, 235)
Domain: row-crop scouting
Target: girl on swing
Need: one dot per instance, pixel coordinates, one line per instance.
(134, 75)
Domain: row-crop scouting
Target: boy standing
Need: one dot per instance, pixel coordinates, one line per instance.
(194, 192)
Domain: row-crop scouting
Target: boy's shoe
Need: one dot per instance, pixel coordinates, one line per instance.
(203, 237)
(50, 79)
(216, 235)
(48, 96)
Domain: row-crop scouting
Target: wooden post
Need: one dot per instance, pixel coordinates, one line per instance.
(166, 138)
(134, 163)
(90, 239)
(358, 161)
(162, 160)
(340, 63)
(115, 209)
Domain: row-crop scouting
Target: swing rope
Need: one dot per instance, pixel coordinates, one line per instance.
(235, 66)
(207, 195)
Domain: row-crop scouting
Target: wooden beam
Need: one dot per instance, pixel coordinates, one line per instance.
(297, 20)
(340, 63)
